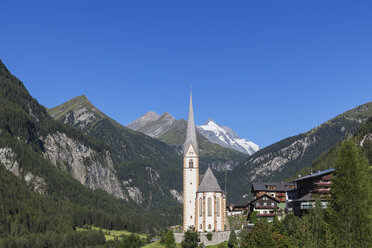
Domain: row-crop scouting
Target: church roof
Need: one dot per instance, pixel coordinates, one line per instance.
(209, 183)
(190, 132)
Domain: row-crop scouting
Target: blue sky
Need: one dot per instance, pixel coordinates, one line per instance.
(266, 69)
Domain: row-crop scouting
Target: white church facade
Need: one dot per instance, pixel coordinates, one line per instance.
(204, 204)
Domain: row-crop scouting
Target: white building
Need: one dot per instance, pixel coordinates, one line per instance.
(203, 205)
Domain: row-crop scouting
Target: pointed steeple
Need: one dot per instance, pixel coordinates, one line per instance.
(190, 132)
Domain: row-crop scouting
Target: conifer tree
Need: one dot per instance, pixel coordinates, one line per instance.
(233, 241)
(169, 239)
(350, 211)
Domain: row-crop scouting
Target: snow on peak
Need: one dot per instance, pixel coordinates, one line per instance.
(226, 137)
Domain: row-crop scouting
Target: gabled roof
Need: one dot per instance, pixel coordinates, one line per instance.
(190, 132)
(320, 173)
(307, 197)
(238, 205)
(263, 186)
(209, 183)
(268, 196)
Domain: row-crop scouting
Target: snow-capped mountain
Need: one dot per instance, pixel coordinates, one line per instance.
(226, 137)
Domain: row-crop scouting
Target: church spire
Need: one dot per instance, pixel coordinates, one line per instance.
(190, 133)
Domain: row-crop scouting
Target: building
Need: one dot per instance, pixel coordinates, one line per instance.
(310, 187)
(203, 205)
(281, 191)
(265, 206)
(237, 208)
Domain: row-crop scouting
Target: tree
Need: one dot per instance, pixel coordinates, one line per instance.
(350, 210)
(169, 240)
(190, 240)
(260, 236)
(233, 241)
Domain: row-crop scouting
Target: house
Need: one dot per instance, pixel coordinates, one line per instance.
(265, 206)
(310, 187)
(237, 208)
(281, 191)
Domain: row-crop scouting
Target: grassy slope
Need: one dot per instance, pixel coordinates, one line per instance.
(111, 234)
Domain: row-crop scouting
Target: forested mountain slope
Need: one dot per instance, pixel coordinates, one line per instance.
(60, 167)
(327, 159)
(148, 169)
(279, 161)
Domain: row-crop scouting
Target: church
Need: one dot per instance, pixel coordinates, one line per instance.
(204, 204)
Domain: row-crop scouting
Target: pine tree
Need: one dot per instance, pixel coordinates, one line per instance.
(233, 241)
(169, 239)
(350, 211)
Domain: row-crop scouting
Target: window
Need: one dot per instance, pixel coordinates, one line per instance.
(257, 204)
(209, 206)
(201, 226)
(209, 226)
(264, 198)
(218, 206)
(200, 207)
(265, 203)
(191, 163)
(272, 204)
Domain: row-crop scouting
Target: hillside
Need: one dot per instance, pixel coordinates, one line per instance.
(171, 131)
(326, 160)
(283, 159)
(56, 171)
(148, 169)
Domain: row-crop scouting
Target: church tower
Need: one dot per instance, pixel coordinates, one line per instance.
(190, 172)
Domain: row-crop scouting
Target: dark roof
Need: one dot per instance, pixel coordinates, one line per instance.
(307, 197)
(209, 183)
(268, 196)
(262, 186)
(320, 173)
(238, 205)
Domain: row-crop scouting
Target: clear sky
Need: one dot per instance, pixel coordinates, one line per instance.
(266, 69)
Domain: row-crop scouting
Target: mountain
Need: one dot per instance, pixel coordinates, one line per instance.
(53, 178)
(149, 171)
(173, 132)
(327, 159)
(142, 121)
(283, 159)
(226, 137)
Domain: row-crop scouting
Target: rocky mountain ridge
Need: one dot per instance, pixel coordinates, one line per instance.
(286, 157)
(226, 137)
(142, 164)
(171, 131)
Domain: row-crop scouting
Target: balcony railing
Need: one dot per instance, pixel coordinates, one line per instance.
(266, 215)
(265, 206)
(322, 183)
(321, 190)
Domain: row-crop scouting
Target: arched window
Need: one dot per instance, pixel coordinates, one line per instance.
(218, 206)
(209, 206)
(200, 207)
(209, 226)
(191, 163)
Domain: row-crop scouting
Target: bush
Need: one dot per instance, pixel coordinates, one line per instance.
(209, 236)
